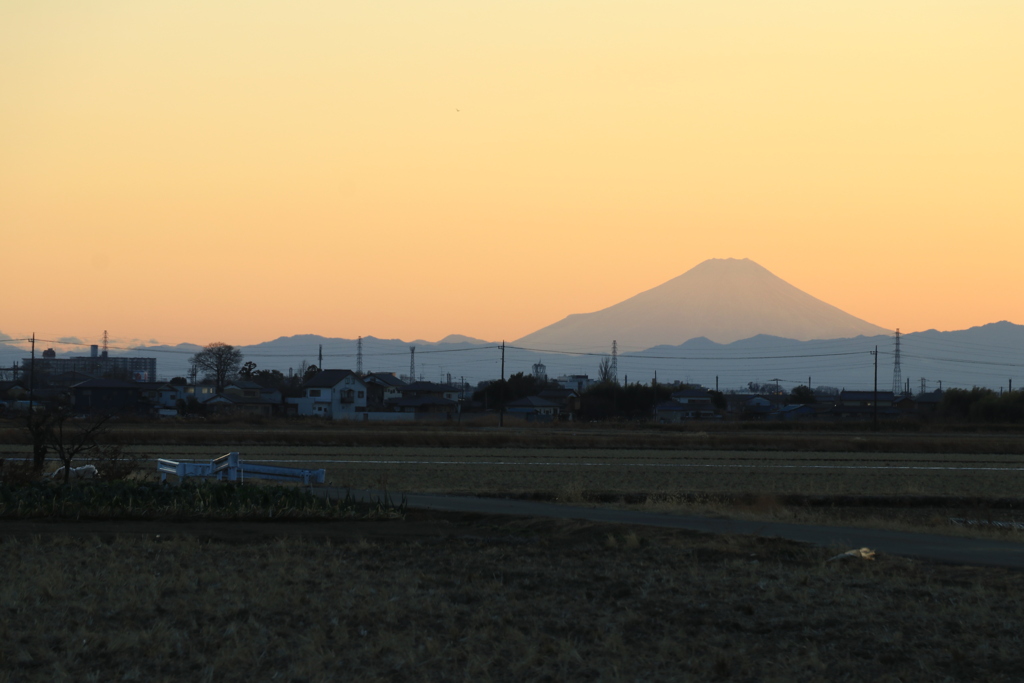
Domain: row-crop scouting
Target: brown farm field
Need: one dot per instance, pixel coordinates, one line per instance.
(443, 596)
(449, 596)
(888, 479)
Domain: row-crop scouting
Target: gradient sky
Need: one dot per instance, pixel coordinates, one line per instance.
(239, 171)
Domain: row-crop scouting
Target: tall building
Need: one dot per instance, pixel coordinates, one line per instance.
(96, 365)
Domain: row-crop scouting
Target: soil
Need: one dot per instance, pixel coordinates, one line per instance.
(461, 596)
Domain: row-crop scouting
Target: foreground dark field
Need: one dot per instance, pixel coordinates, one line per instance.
(457, 597)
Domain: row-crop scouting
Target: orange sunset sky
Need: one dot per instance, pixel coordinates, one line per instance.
(238, 171)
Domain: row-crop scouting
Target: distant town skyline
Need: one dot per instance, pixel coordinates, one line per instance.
(192, 172)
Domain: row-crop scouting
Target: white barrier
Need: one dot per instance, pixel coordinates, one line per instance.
(230, 468)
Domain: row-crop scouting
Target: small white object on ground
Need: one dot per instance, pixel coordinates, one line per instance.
(83, 472)
(862, 553)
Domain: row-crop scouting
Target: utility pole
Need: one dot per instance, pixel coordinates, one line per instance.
(320, 358)
(462, 396)
(32, 377)
(875, 402)
(359, 356)
(501, 410)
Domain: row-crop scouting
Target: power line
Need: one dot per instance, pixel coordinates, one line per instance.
(651, 357)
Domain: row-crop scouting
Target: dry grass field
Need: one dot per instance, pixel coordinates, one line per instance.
(445, 596)
(455, 597)
(965, 474)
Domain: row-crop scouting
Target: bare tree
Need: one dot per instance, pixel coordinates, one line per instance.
(69, 440)
(38, 424)
(219, 361)
(604, 371)
(54, 430)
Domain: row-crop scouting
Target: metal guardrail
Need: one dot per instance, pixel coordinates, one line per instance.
(230, 467)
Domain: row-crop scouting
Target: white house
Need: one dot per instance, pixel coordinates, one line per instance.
(332, 394)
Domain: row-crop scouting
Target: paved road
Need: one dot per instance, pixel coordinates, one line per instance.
(928, 546)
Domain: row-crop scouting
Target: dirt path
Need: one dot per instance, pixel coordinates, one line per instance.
(438, 517)
(950, 549)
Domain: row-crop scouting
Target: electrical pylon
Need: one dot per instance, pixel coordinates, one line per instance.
(897, 373)
(615, 361)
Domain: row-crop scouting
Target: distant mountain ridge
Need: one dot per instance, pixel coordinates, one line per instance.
(724, 300)
(986, 355)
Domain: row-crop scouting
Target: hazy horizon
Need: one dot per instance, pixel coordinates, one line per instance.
(671, 300)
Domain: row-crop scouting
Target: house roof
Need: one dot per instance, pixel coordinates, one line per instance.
(327, 379)
(154, 385)
(238, 399)
(670, 406)
(384, 378)
(105, 384)
(430, 387)
(558, 393)
(245, 384)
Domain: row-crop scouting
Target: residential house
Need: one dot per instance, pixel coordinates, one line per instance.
(201, 391)
(863, 404)
(382, 387)
(10, 395)
(107, 396)
(928, 402)
(748, 406)
(686, 404)
(236, 402)
(163, 396)
(12, 390)
(427, 399)
(567, 400)
(421, 388)
(795, 411)
(244, 388)
(332, 394)
(533, 409)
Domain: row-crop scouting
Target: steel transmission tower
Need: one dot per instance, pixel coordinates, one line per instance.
(897, 374)
(412, 364)
(359, 356)
(615, 361)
